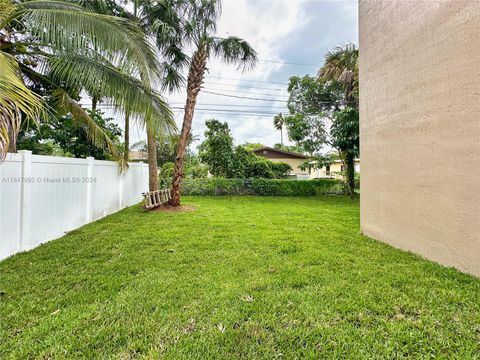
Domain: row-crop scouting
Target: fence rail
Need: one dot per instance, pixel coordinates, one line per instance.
(42, 197)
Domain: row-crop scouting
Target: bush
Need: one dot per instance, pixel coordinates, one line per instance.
(281, 169)
(357, 181)
(262, 187)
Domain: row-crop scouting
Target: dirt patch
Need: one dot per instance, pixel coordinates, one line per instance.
(168, 208)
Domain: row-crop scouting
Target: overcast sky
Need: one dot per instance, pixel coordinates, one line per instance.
(281, 31)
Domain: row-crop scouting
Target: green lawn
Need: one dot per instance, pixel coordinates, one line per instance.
(241, 277)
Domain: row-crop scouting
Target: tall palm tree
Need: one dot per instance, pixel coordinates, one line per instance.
(278, 123)
(182, 24)
(341, 66)
(64, 48)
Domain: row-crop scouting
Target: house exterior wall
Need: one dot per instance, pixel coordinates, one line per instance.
(294, 163)
(420, 127)
(335, 170)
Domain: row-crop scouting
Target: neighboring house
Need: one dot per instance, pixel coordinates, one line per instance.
(334, 170)
(291, 158)
(137, 156)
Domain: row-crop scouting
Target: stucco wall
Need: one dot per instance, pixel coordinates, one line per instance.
(420, 127)
(294, 163)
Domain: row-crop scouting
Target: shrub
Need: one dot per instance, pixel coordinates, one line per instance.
(262, 187)
(357, 181)
(280, 169)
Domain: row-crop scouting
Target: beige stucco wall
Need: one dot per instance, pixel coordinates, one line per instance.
(294, 163)
(420, 127)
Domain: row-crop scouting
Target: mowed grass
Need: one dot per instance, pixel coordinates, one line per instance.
(240, 277)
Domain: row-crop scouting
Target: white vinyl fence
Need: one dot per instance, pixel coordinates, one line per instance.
(42, 197)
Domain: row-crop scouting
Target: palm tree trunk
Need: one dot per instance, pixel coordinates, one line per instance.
(195, 80)
(281, 135)
(12, 136)
(94, 103)
(152, 161)
(350, 164)
(12, 121)
(127, 136)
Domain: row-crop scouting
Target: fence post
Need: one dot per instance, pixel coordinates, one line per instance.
(120, 190)
(142, 170)
(25, 179)
(88, 205)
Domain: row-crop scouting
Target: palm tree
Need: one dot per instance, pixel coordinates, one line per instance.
(63, 49)
(341, 66)
(181, 24)
(278, 123)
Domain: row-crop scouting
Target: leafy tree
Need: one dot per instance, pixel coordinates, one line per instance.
(247, 165)
(217, 149)
(223, 160)
(252, 146)
(191, 24)
(311, 103)
(280, 169)
(165, 145)
(83, 50)
(291, 148)
(68, 136)
(194, 168)
(341, 67)
(345, 138)
(331, 99)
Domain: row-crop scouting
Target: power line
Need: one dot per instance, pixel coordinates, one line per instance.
(247, 86)
(247, 92)
(246, 116)
(235, 105)
(242, 97)
(230, 112)
(182, 105)
(288, 63)
(247, 80)
(234, 111)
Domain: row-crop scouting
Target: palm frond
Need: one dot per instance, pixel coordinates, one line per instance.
(12, 88)
(97, 135)
(15, 98)
(234, 50)
(70, 27)
(279, 121)
(340, 63)
(95, 74)
(341, 66)
(6, 9)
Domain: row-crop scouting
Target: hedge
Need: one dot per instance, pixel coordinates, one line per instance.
(262, 187)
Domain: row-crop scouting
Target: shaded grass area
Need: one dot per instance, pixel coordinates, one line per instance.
(241, 277)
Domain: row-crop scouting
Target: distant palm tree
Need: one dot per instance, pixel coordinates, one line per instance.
(183, 24)
(64, 48)
(279, 122)
(341, 65)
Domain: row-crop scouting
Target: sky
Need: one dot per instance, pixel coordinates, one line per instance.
(291, 38)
